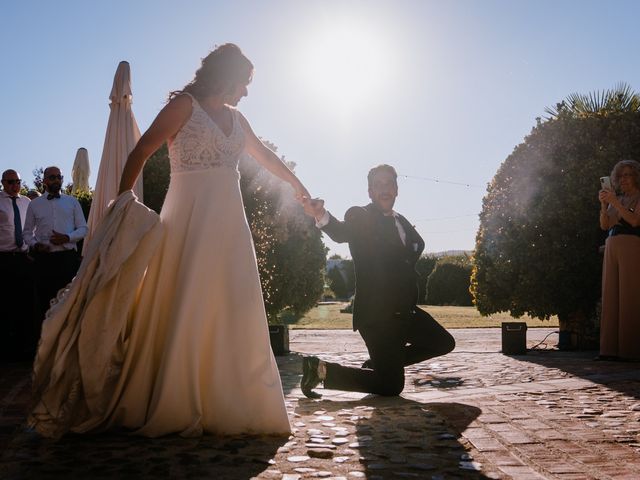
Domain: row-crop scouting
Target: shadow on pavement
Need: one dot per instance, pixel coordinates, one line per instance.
(620, 376)
(125, 456)
(290, 367)
(400, 438)
(24, 454)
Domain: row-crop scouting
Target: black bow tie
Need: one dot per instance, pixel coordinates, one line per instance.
(51, 196)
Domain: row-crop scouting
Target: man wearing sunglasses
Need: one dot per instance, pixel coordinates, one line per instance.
(54, 225)
(17, 287)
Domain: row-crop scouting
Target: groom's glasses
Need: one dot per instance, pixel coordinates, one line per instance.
(51, 178)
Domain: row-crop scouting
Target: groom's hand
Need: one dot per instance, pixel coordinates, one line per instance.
(314, 207)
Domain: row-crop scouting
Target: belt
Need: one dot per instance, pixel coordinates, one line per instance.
(623, 230)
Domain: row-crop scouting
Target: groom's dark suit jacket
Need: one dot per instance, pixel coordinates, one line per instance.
(386, 278)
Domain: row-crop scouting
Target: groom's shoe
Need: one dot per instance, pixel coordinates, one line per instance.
(310, 377)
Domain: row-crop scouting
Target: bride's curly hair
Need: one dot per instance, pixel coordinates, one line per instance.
(221, 70)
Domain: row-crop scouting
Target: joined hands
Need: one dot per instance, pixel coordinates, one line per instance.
(314, 207)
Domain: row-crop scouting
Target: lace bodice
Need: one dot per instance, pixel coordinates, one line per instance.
(201, 144)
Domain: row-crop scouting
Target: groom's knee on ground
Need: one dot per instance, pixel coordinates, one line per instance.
(392, 389)
(447, 345)
(390, 383)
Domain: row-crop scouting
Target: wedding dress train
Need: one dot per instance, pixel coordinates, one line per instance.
(193, 353)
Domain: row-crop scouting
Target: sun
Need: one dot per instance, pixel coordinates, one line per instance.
(345, 65)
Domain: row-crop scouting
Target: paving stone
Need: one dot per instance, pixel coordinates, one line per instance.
(473, 466)
(320, 445)
(340, 441)
(486, 444)
(298, 458)
(304, 470)
(541, 415)
(341, 459)
(320, 452)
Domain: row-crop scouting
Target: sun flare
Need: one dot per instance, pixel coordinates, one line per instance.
(345, 65)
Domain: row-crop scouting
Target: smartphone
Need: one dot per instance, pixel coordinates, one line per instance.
(605, 183)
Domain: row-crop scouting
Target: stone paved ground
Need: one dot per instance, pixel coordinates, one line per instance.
(474, 413)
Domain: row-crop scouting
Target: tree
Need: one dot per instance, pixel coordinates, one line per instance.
(289, 250)
(537, 244)
(337, 283)
(155, 179)
(38, 174)
(424, 267)
(621, 99)
(448, 283)
(291, 255)
(343, 280)
(84, 197)
(349, 272)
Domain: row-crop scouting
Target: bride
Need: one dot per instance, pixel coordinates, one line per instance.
(181, 345)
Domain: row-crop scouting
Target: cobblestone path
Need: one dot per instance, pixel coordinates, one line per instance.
(474, 413)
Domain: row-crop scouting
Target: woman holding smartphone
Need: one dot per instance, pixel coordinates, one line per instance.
(620, 215)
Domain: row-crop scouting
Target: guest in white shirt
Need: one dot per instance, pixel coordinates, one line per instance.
(17, 290)
(54, 225)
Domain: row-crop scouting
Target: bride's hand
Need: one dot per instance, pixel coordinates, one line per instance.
(302, 193)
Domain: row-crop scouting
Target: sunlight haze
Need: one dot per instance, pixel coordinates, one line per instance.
(442, 90)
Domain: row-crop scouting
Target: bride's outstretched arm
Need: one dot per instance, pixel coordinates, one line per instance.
(270, 160)
(165, 126)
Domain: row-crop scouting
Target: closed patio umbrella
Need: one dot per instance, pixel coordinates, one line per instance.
(122, 135)
(81, 171)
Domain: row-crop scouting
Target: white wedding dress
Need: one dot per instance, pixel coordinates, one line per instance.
(196, 353)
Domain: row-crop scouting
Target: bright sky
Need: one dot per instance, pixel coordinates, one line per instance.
(439, 89)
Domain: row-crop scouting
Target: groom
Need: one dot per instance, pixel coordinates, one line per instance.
(385, 248)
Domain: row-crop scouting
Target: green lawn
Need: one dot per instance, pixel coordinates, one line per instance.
(328, 316)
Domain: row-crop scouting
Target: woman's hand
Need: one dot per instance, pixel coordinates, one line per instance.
(607, 197)
(301, 193)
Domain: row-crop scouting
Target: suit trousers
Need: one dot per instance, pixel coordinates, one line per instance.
(17, 299)
(620, 319)
(53, 271)
(393, 343)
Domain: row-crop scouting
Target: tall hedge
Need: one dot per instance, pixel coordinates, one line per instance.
(537, 244)
(448, 283)
(155, 178)
(424, 267)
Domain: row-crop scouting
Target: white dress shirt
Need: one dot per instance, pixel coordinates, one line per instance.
(64, 215)
(324, 220)
(7, 227)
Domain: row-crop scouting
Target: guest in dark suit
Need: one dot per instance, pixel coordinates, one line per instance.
(385, 248)
(16, 293)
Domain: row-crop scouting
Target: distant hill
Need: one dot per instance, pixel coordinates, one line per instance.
(449, 253)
